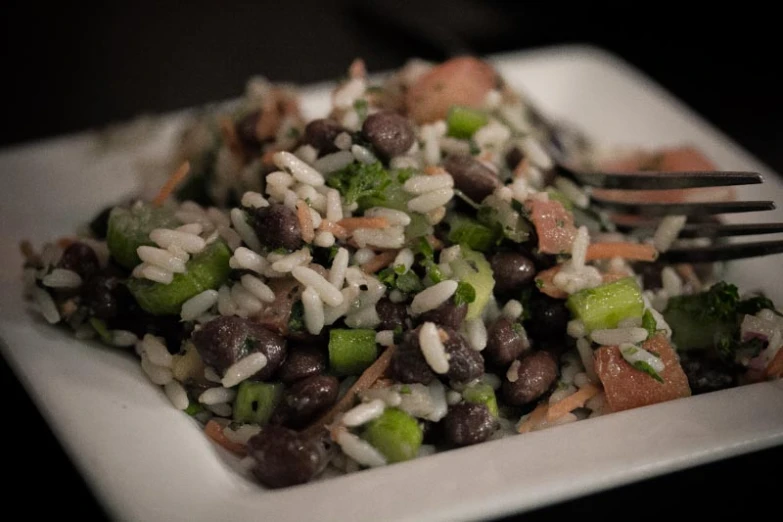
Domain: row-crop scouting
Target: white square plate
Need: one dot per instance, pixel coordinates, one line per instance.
(145, 461)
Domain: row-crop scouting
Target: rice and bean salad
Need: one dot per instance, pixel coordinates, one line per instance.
(406, 275)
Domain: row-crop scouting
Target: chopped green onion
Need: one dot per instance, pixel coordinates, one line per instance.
(395, 434)
(468, 231)
(256, 401)
(351, 351)
(194, 409)
(474, 269)
(649, 323)
(482, 393)
(463, 122)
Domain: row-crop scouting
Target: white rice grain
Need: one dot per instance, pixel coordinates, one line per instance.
(245, 300)
(395, 296)
(576, 329)
(291, 261)
(363, 413)
(211, 375)
(536, 153)
(326, 291)
(394, 217)
(453, 397)
(123, 338)
(179, 252)
(254, 200)
(333, 162)
(389, 396)
(432, 348)
(633, 354)
(245, 231)
(244, 369)
(221, 409)
(249, 260)
(343, 141)
(161, 258)
(300, 170)
(278, 181)
(422, 184)
(440, 406)
(218, 217)
(572, 191)
(62, 278)
(432, 297)
(513, 371)
(671, 281)
(230, 236)
(430, 200)
(324, 239)
(258, 288)
(385, 337)
(190, 242)
(225, 303)
(157, 374)
(391, 237)
(313, 311)
(477, 333)
(359, 450)
(512, 310)
(579, 248)
(154, 273)
(307, 153)
(156, 351)
(339, 267)
(667, 231)
(363, 154)
(333, 313)
(452, 253)
(334, 207)
(581, 379)
(431, 152)
(198, 304)
(242, 434)
(363, 255)
(46, 305)
(616, 336)
(217, 395)
(404, 258)
(365, 317)
(492, 380)
(177, 395)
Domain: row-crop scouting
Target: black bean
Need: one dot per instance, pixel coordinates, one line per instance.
(651, 274)
(286, 458)
(225, 340)
(512, 271)
(392, 315)
(536, 374)
(707, 374)
(447, 314)
(81, 259)
(306, 399)
(277, 227)
(465, 363)
(471, 176)
(246, 131)
(320, 134)
(103, 295)
(408, 364)
(548, 317)
(99, 225)
(513, 157)
(302, 362)
(506, 341)
(390, 134)
(467, 424)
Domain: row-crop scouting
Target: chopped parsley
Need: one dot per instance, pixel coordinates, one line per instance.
(649, 323)
(646, 368)
(360, 180)
(465, 294)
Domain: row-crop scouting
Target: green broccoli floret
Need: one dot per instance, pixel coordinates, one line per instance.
(360, 180)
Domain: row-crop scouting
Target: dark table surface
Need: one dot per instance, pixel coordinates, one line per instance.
(74, 68)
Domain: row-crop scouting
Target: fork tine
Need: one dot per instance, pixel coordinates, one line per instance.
(683, 209)
(728, 252)
(708, 230)
(649, 180)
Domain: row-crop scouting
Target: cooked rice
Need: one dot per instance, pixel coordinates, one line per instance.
(326, 291)
(432, 348)
(616, 336)
(313, 311)
(359, 450)
(156, 351)
(573, 192)
(291, 261)
(391, 237)
(245, 231)
(422, 184)
(221, 409)
(477, 333)
(363, 413)
(245, 300)
(668, 230)
(671, 282)
(217, 395)
(512, 310)
(385, 337)
(198, 304)
(157, 374)
(430, 200)
(258, 288)
(432, 297)
(363, 256)
(633, 354)
(188, 241)
(363, 154)
(576, 329)
(211, 375)
(177, 395)
(123, 338)
(225, 303)
(62, 278)
(254, 200)
(300, 170)
(512, 374)
(244, 369)
(46, 305)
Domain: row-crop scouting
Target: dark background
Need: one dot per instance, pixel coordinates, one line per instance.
(72, 67)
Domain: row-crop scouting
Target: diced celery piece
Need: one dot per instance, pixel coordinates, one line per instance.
(100, 327)
(482, 393)
(395, 434)
(206, 270)
(463, 122)
(606, 305)
(194, 408)
(129, 228)
(256, 401)
(468, 231)
(351, 351)
(559, 196)
(473, 268)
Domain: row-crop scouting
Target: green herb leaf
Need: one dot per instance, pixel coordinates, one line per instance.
(360, 180)
(646, 368)
(296, 321)
(360, 106)
(465, 294)
(409, 283)
(649, 323)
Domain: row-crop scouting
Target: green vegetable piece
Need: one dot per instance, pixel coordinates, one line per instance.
(395, 434)
(409, 283)
(256, 401)
(351, 351)
(649, 323)
(463, 122)
(559, 196)
(206, 270)
(474, 269)
(129, 228)
(482, 394)
(606, 305)
(465, 293)
(194, 408)
(100, 327)
(360, 180)
(646, 368)
(505, 220)
(468, 231)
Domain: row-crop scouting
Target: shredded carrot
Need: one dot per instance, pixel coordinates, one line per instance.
(65, 242)
(612, 277)
(336, 230)
(305, 221)
(382, 260)
(215, 432)
(171, 184)
(357, 69)
(621, 249)
(229, 132)
(545, 284)
(434, 242)
(572, 402)
(374, 372)
(433, 170)
(352, 223)
(535, 418)
(775, 367)
(267, 157)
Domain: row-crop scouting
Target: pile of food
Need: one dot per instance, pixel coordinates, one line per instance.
(408, 274)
